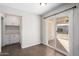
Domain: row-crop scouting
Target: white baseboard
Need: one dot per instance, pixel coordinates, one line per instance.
(30, 45)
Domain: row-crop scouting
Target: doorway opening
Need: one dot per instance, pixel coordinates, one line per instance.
(11, 32)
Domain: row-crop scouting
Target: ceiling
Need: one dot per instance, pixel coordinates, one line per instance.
(34, 8)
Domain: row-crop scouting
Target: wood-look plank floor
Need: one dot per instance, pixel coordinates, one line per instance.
(37, 50)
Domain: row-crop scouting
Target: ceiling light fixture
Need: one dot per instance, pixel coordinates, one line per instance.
(43, 4)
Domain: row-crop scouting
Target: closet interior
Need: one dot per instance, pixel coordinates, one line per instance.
(11, 29)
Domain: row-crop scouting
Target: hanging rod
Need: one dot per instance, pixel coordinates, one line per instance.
(60, 12)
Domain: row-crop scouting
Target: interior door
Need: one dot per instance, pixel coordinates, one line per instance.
(51, 32)
(64, 31)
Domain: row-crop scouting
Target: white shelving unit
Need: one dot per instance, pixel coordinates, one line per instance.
(11, 29)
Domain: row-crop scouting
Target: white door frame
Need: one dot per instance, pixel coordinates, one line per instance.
(0, 33)
(1, 15)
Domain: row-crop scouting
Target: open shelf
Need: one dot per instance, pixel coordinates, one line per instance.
(62, 25)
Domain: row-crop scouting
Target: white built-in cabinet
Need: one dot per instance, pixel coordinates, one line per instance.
(11, 29)
(12, 20)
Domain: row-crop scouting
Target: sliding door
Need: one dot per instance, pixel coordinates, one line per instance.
(59, 32)
(51, 31)
(63, 31)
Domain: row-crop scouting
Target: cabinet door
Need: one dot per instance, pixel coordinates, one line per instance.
(14, 38)
(17, 38)
(12, 20)
(6, 39)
